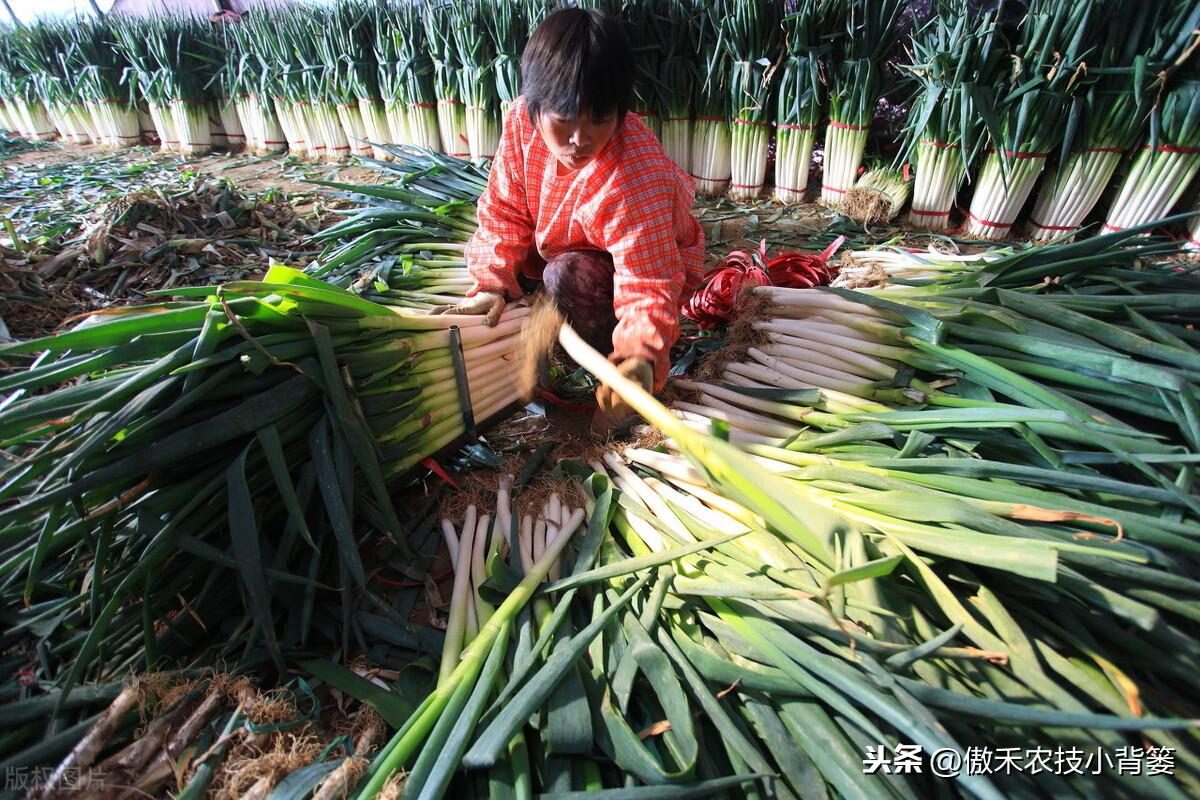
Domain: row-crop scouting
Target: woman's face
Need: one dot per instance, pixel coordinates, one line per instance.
(575, 141)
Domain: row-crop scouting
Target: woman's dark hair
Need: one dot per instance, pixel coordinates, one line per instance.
(578, 58)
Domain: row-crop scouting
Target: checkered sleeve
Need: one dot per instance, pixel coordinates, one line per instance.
(638, 230)
(504, 237)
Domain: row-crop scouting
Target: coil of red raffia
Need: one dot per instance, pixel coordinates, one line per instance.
(715, 302)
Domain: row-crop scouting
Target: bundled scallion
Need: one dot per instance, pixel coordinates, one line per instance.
(477, 61)
(750, 31)
(878, 196)
(677, 28)
(442, 45)
(1032, 108)
(1163, 168)
(710, 154)
(800, 96)
(869, 29)
(956, 57)
(1140, 52)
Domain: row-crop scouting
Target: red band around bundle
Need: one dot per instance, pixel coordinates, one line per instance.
(1171, 148)
(745, 186)
(1037, 224)
(923, 213)
(847, 126)
(749, 122)
(932, 143)
(989, 223)
(785, 126)
(833, 189)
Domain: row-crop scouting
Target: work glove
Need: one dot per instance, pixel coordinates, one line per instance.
(613, 411)
(488, 303)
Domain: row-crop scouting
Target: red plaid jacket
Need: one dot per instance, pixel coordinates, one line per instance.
(631, 201)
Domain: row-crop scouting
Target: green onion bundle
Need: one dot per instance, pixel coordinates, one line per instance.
(641, 20)
(406, 76)
(1032, 107)
(101, 70)
(956, 57)
(677, 29)
(750, 31)
(182, 49)
(345, 37)
(139, 41)
(878, 196)
(1163, 168)
(710, 153)
(405, 244)
(856, 81)
(252, 82)
(800, 97)
(1139, 53)
(228, 130)
(285, 406)
(442, 44)
(35, 53)
(476, 76)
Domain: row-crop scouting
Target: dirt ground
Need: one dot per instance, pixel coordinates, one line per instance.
(727, 226)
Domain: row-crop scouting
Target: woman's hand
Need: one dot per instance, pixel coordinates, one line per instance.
(613, 411)
(488, 303)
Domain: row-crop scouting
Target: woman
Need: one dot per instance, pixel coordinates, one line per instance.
(583, 197)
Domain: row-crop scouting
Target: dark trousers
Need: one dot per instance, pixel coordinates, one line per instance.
(581, 284)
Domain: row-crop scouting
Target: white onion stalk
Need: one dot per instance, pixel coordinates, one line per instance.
(375, 125)
(845, 144)
(100, 125)
(1157, 181)
(69, 125)
(146, 130)
(264, 128)
(793, 157)
(84, 121)
(354, 128)
(291, 132)
(424, 126)
(711, 155)
(452, 127)
(396, 113)
(872, 267)
(938, 175)
(231, 123)
(750, 131)
(36, 120)
(675, 133)
(192, 126)
(750, 139)
(6, 122)
(216, 125)
(877, 196)
(315, 145)
(997, 201)
(1069, 193)
(483, 132)
(324, 117)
